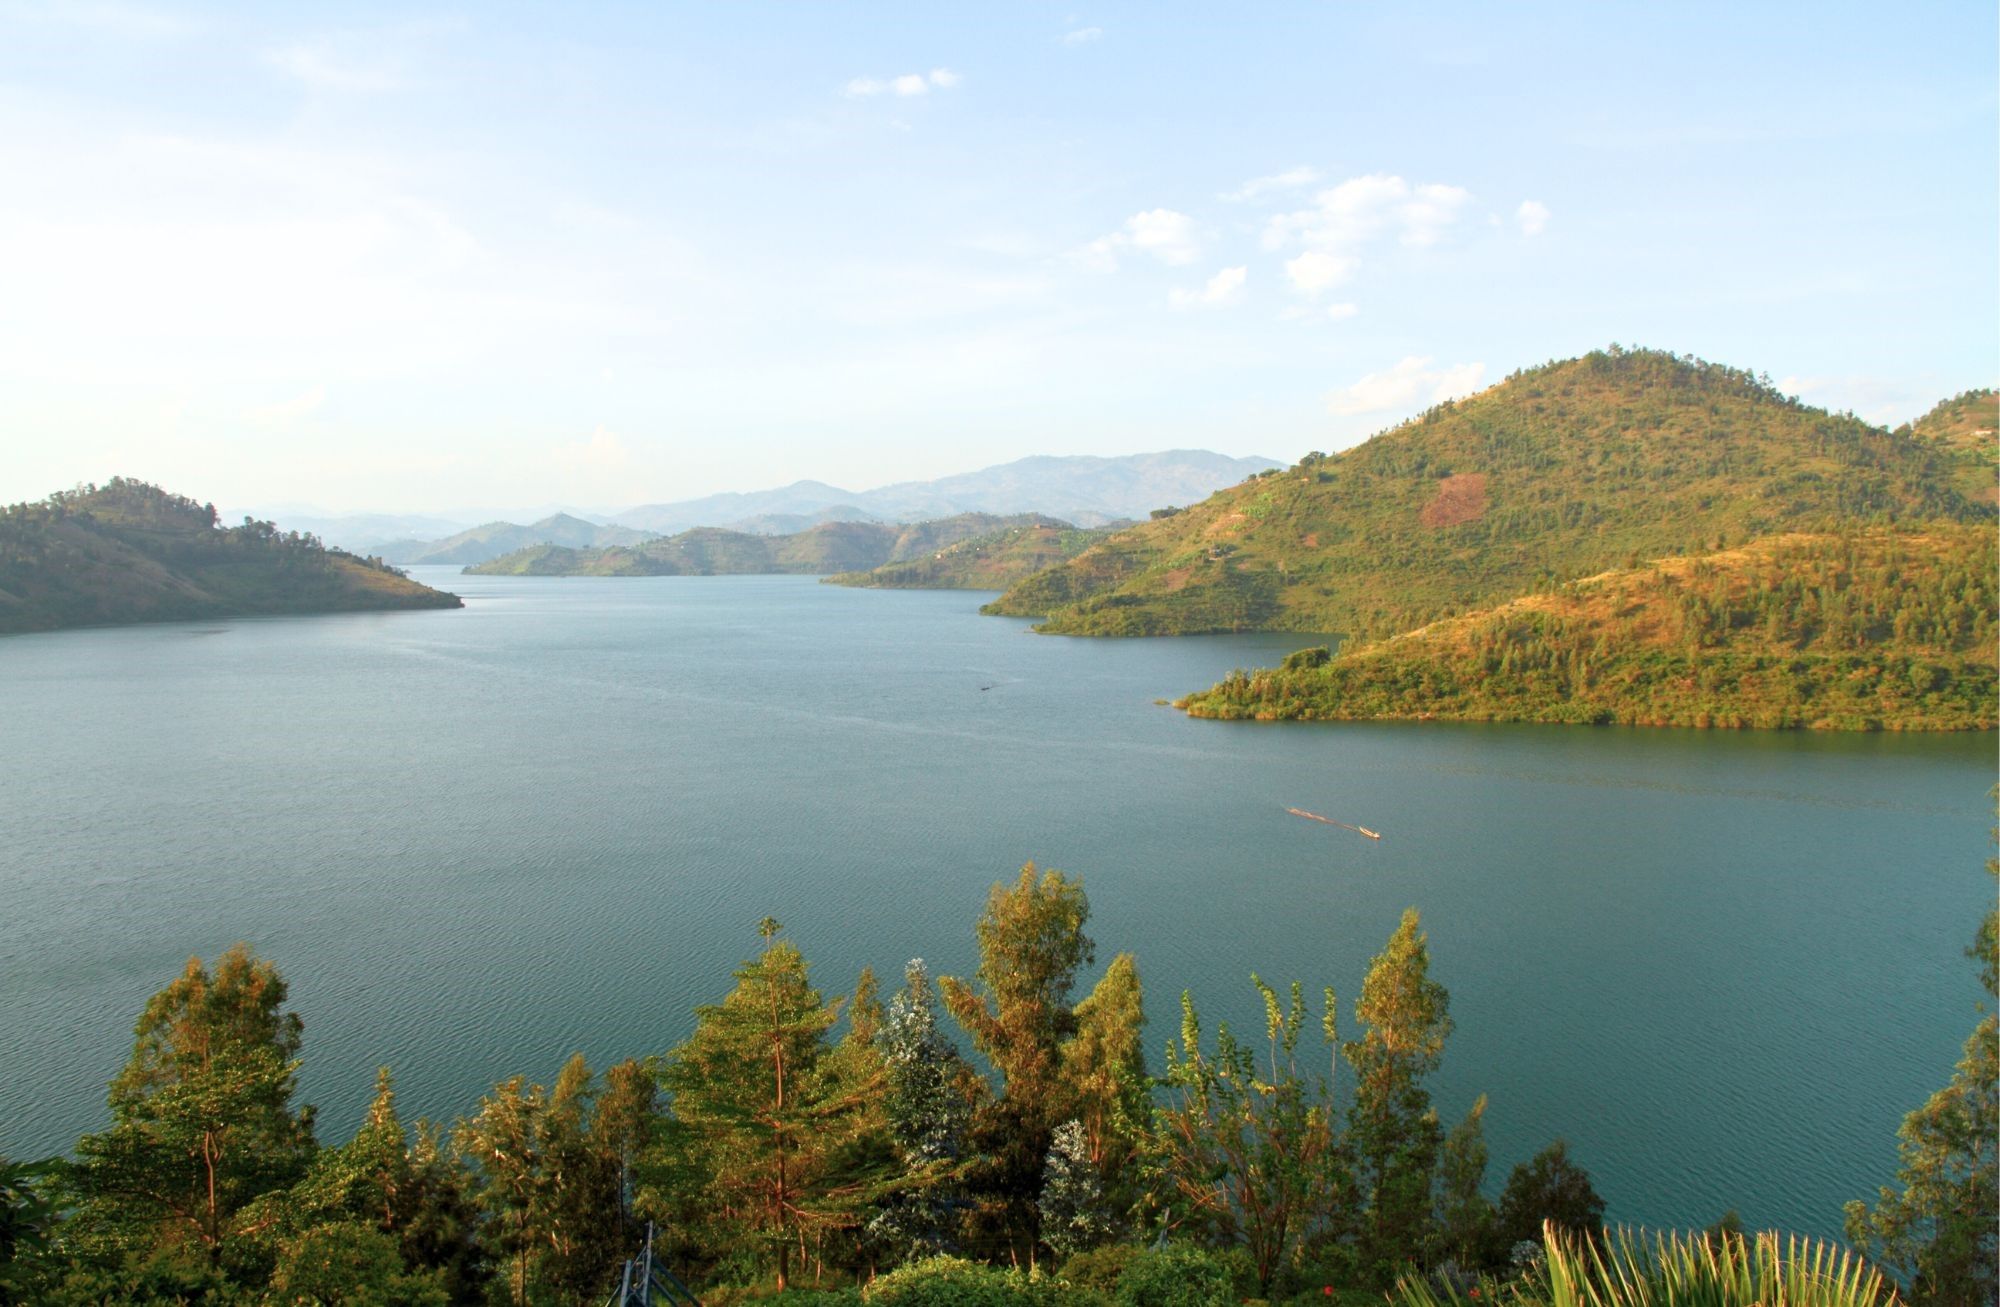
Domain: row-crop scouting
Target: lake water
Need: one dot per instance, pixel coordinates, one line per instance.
(1722, 965)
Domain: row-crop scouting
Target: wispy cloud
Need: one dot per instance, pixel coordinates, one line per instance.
(1225, 287)
(1167, 235)
(1082, 36)
(1532, 217)
(907, 84)
(600, 451)
(1291, 179)
(1318, 270)
(1412, 381)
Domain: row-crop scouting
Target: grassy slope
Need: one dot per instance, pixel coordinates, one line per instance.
(1876, 630)
(987, 562)
(129, 552)
(1560, 472)
(831, 547)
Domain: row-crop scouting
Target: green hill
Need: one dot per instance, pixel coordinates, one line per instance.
(1869, 631)
(987, 562)
(1560, 472)
(1963, 429)
(131, 552)
(831, 547)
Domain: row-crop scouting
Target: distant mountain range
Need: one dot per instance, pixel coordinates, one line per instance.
(493, 539)
(1081, 489)
(1085, 490)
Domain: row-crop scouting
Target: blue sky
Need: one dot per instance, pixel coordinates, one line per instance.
(502, 257)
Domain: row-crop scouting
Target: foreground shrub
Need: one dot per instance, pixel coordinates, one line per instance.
(955, 1282)
(1709, 1270)
(1179, 1277)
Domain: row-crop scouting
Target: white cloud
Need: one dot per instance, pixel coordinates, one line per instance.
(1364, 210)
(1533, 217)
(1083, 35)
(1223, 288)
(1290, 179)
(1339, 312)
(1317, 270)
(907, 84)
(600, 451)
(1414, 380)
(1168, 236)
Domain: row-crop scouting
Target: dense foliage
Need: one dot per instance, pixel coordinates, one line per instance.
(1861, 631)
(1560, 472)
(803, 1149)
(131, 552)
(830, 547)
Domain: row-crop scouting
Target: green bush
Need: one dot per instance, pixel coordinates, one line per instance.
(1179, 1277)
(955, 1282)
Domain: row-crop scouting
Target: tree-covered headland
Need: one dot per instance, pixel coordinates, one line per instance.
(127, 551)
(810, 1148)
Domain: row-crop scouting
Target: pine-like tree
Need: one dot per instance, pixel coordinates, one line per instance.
(927, 1115)
(1463, 1216)
(757, 1093)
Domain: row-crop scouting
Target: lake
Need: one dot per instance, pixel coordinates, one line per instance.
(1722, 965)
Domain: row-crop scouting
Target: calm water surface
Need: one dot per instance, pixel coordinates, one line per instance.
(1722, 965)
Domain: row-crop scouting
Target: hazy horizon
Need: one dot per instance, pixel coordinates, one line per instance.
(417, 260)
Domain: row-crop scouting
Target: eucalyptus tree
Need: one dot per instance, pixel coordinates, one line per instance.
(1392, 1129)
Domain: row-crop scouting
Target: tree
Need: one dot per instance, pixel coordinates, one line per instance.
(1463, 1217)
(351, 1262)
(1031, 943)
(1550, 1188)
(1249, 1159)
(1938, 1231)
(757, 1092)
(202, 1122)
(502, 1141)
(927, 1113)
(1104, 1067)
(1074, 1218)
(1391, 1127)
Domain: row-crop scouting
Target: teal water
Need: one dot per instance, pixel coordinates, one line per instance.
(1722, 965)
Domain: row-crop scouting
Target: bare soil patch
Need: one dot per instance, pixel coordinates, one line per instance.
(1461, 497)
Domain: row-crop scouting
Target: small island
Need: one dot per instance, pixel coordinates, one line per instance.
(131, 552)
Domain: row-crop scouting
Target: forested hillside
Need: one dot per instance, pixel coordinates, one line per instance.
(1560, 472)
(1964, 428)
(988, 562)
(707, 551)
(1867, 631)
(131, 552)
